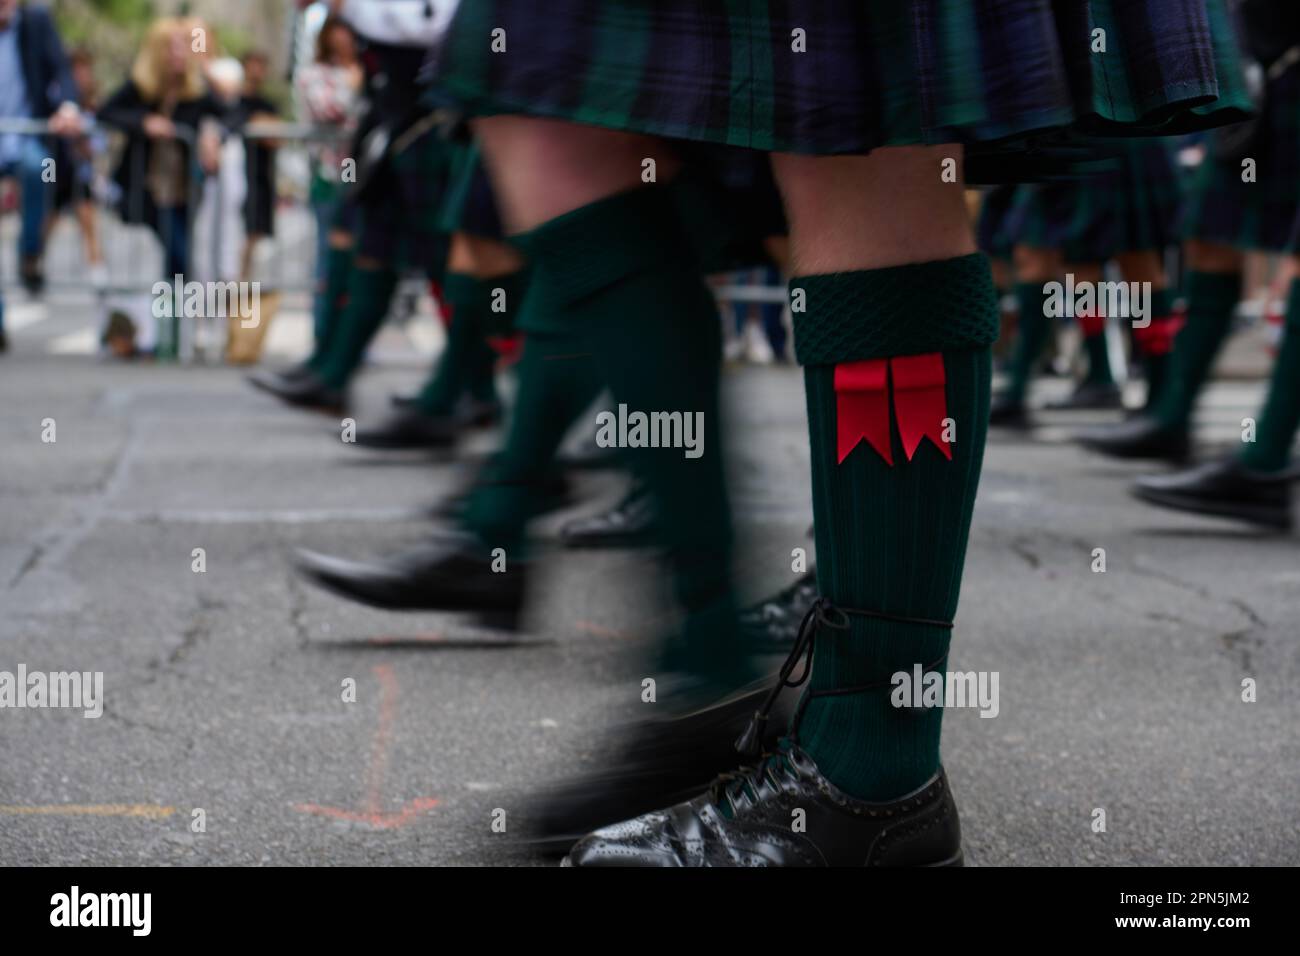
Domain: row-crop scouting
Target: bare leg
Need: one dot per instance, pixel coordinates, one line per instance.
(868, 212)
(568, 166)
(484, 258)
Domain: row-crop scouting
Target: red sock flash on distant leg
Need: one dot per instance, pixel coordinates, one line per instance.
(1157, 338)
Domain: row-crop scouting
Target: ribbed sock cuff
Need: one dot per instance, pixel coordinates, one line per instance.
(589, 249)
(940, 306)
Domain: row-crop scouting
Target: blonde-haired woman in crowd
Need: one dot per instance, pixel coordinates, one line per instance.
(160, 108)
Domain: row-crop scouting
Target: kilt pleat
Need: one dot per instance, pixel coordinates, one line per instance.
(1134, 205)
(469, 203)
(1004, 77)
(397, 215)
(1222, 208)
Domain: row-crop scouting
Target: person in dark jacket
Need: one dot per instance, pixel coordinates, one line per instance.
(259, 206)
(160, 109)
(35, 84)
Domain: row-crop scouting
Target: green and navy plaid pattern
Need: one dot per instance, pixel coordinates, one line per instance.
(399, 214)
(998, 73)
(1253, 215)
(469, 204)
(1132, 206)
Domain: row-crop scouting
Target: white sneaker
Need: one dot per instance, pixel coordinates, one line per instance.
(757, 349)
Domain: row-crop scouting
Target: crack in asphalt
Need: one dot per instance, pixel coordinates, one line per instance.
(1238, 643)
(1021, 549)
(60, 542)
(33, 559)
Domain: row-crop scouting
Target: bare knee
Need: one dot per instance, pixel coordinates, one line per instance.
(1085, 271)
(894, 206)
(1033, 264)
(1212, 257)
(568, 165)
(480, 257)
(1145, 266)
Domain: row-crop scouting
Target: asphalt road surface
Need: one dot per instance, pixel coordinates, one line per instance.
(1119, 691)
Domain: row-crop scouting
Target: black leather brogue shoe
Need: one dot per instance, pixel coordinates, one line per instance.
(450, 573)
(1225, 488)
(1140, 437)
(784, 812)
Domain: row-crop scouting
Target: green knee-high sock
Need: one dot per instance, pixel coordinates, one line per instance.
(370, 291)
(1211, 298)
(506, 300)
(1154, 346)
(557, 382)
(625, 277)
(1094, 346)
(1278, 423)
(338, 270)
(1033, 328)
(891, 539)
(469, 300)
(480, 308)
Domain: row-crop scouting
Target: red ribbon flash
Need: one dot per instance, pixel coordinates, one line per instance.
(920, 404)
(862, 406)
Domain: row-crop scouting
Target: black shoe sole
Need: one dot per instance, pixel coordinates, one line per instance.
(327, 408)
(506, 619)
(1261, 516)
(958, 860)
(1172, 456)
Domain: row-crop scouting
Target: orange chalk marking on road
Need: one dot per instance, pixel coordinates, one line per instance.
(382, 821)
(383, 736)
(377, 767)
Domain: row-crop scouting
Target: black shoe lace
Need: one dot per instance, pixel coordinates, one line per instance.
(822, 613)
(727, 788)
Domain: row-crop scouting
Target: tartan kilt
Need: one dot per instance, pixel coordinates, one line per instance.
(469, 204)
(1000, 76)
(1133, 205)
(1259, 215)
(398, 211)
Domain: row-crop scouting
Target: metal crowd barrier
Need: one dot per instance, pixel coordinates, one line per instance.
(133, 253)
